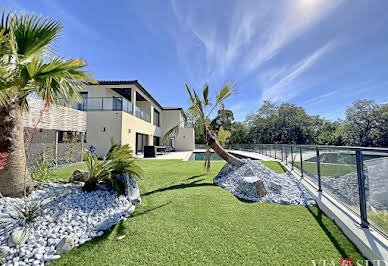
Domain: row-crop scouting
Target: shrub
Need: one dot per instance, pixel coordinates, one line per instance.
(119, 159)
(40, 169)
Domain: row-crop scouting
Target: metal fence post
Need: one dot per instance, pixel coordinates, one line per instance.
(319, 170)
(286, 155)
(292, 157)
(301, 161)
(275, 150)
(361, 188)
(281, 147)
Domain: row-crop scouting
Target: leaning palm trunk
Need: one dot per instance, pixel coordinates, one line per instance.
(213, 143)
(15, 179)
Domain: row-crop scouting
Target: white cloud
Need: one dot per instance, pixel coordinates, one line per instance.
(286, 86)
(244, 39)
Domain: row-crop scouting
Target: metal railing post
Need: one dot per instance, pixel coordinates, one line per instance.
(281, 147)
(275, 150)
(319, 170)
(286, 155)
(361, 188)
(292, 157)
(301, 161)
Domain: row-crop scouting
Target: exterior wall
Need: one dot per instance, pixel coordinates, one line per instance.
(171, 118)
(185, 139)
(96, 136)
(123, 126)
(132, 125)
(58, 117)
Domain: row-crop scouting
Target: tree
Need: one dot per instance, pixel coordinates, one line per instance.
(223, 119)
(239, 134)
(29, 66)
(223, 135)
(199, 108)
(364, 123)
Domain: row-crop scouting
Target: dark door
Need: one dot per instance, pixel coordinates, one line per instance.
(141, 141)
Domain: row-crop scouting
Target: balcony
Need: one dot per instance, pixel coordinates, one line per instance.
(142, 114)
(102, 104)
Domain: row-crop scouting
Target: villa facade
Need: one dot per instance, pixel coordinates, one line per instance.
(125, 111)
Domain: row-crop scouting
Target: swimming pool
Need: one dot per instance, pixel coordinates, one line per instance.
(200, 156)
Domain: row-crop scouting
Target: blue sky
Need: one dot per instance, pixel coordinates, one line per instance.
(319, 54)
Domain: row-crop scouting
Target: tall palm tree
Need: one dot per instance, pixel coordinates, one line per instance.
(28, 65)
(198, 109)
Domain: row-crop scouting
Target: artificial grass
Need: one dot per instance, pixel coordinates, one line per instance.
(185, 219)
(326, 168)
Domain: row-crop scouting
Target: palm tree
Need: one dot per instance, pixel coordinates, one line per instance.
(198, 109)
(28, 65)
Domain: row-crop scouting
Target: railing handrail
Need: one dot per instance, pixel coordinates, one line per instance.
(328, 147)
(289, 149)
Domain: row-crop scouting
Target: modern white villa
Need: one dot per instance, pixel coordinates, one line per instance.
(126, 111)
(123, 110)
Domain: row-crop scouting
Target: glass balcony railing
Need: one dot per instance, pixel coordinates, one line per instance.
(142, 114)
(102, 104)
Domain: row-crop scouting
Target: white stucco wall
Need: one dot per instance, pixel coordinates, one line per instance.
(96, 136)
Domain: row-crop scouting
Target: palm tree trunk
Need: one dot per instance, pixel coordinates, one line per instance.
(14, 177)
(217, 148)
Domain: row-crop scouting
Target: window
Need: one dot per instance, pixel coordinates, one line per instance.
(156, 118)
(83, 106)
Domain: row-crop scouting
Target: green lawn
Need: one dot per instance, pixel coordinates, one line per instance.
(326, 168)
(185, 219)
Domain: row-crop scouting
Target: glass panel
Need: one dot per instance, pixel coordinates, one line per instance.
(309, 164)
(95, 104)
(117, 104)
(376, 187)
(107, 104)
(339, 176)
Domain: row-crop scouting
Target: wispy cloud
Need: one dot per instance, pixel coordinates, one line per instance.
(286, 86)
(320, 98)
(249, 36)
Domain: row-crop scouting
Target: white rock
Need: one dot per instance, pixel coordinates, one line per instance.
(66, 244)
(18, 237)
(4, 251)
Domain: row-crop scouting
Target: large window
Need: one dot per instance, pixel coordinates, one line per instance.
(156, 118)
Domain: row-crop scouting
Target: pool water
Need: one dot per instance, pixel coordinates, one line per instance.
(200, 156)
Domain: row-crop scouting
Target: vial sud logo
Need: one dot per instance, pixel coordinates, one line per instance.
(346, 262)
(349, 262)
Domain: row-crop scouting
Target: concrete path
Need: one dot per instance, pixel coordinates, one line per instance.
(176, 155)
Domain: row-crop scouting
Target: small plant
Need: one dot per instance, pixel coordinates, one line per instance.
(123, 160)
(25, 215)
(70, 150)
(98, 171)
(41, 168)
(119, 159)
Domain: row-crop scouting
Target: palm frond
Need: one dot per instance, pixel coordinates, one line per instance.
(206, 94)
(173, 130)
(190, 94)
(56, 79)
(224, 93)
(33, 34)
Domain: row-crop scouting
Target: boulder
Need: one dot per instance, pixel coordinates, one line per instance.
(131, 189)
(66, 244)
(4, 252)
(18, 237)
(79, 175)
